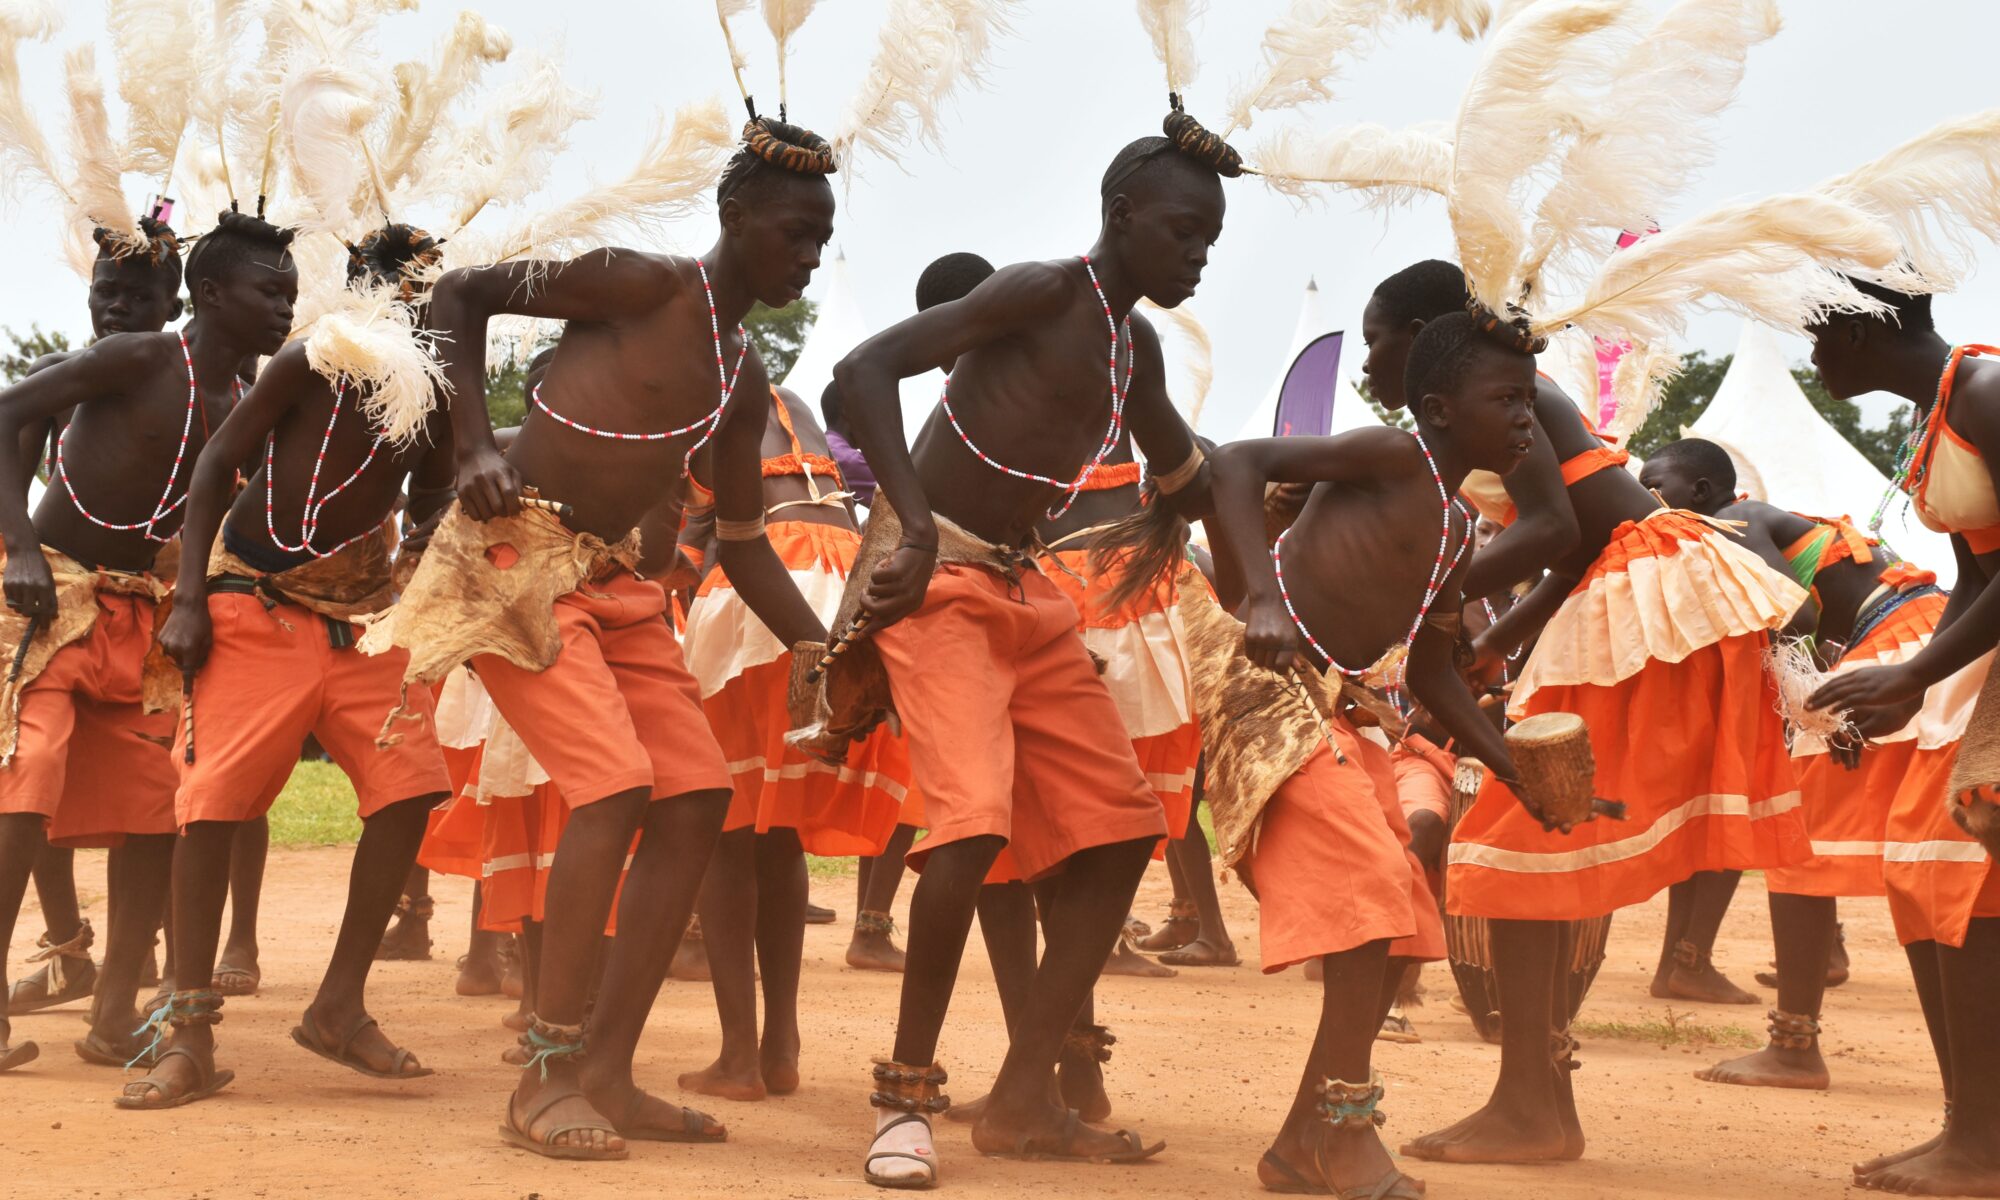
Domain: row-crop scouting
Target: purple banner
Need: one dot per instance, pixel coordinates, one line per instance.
(1305, 403)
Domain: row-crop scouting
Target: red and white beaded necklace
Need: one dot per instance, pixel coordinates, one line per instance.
(309, 515)
(1113, 434)
(708, 423)
(1439, 571)
(168, 503)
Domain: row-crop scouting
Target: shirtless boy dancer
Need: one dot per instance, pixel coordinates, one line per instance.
(1943, 890)
(143, 405)
(1046, 362)
(263, 629)
(129, 293)
(653, 362)
(1715, 732)
(1326, 851)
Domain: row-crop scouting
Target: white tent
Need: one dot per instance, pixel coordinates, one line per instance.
(840, 327)
(1350, 411)
(1788, 455)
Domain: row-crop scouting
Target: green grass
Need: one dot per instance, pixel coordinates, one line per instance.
(315, 809)
(1676, 1029)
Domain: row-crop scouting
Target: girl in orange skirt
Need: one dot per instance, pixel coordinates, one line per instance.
(784, 804)
(1943, 890)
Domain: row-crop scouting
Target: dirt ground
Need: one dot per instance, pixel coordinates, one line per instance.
(1206, 1061)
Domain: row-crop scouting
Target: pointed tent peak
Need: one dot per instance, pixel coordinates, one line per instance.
(1312, 324)
(1787, 454)
(1312, 283)
(840, 254)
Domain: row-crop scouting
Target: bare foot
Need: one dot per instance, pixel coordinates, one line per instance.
(478, 975)
(872, 950)
(1181, 927)
(1948, 1170)
(513, 983)
(1055, 1133)
(728, 1081)
(237, 974)
(778, 1063)
(1501, 1132)
(690, 961)
(1772, 1067)
(1566, 1114)
(1201, 952)
(409, 939)
(969, 1112)
(1125, 960)
(1889, 1160)
(1707, 985)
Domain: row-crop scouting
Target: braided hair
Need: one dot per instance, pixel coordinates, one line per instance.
(236, 238)
(396, 255)
(774, 149)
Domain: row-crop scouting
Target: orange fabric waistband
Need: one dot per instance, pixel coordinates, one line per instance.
(1590, 462)
(1110, 476)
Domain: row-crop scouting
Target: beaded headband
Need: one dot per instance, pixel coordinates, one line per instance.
(398, 253)
(160, 242)
(1189, 137)
(1512, 331)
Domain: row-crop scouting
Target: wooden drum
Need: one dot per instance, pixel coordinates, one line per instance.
(1552, 753)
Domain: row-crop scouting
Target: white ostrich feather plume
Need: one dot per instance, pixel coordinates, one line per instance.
(369, 341)
(679, 167)
(1197, 360)
(425, 90)
(1170, 23)
(1523, 98)
(325, 108)
(509, 149)
(1937, 191)
(1782, 260)
(96, 189)
(1644, 138)
(1388, 167)
(24, 148)
(926, 50)
(157, 44)
(1303, 50)
(784, 17)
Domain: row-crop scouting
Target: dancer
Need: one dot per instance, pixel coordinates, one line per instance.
(1299, 797)
(264, 628)
(80, 633)
(592, 449)
(1940, 843)
(129, 293)
(785, 804)
(1870, 609)
(1021, 410)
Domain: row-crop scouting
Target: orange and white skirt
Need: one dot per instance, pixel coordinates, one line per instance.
(744, 671)
(1848, 812)
(1143, 646)
(1660, 649)
(504, 819)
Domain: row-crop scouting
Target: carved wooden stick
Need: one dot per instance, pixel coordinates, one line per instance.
(187, 706)
(21, 652)
(561, 512)
(840, 645)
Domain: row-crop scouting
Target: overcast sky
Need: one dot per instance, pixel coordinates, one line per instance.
(1846, 80)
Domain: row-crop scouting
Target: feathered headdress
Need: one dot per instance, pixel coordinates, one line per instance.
(1170, 26)
(1936, 191)
(926, 50)
(1302, 50)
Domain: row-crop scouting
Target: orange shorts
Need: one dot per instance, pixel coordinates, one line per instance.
(83, 760)
(1421, 784)
(617, 710)
(1011, 732)
(273, 677)
(1331, 862)
(1142, 646)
